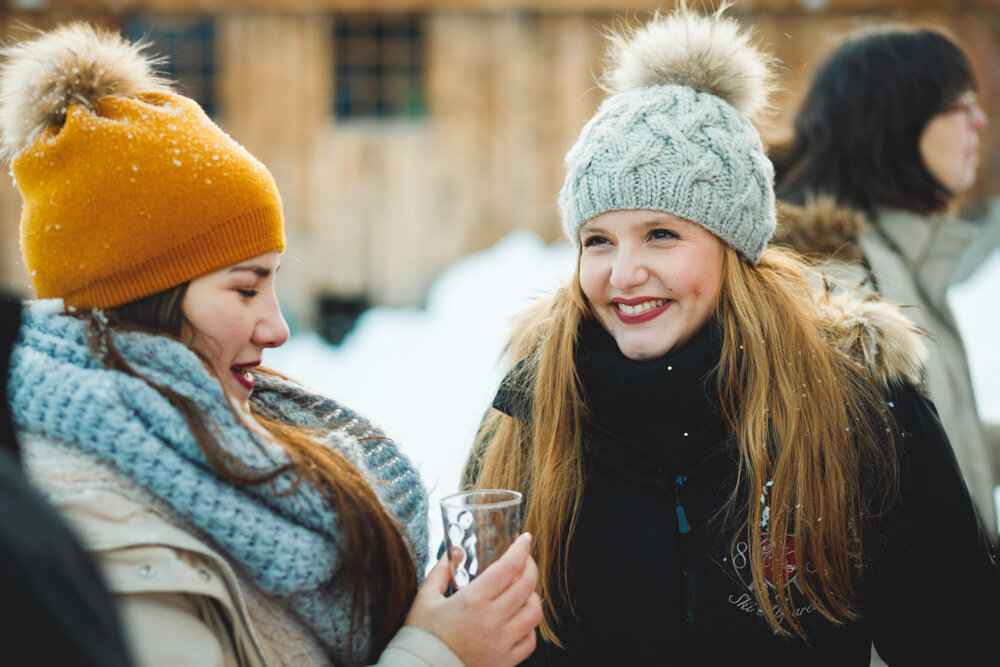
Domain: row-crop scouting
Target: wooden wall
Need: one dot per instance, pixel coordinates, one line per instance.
(379, 209)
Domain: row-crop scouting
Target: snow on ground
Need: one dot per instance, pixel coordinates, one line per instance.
(426, 376)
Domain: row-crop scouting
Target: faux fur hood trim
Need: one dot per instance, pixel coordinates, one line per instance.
(822, 228)
(874, 334)
(871, 331)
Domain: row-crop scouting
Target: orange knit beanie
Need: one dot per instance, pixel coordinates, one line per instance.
(129, 189)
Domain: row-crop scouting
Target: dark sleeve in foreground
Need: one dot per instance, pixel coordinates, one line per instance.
(10, 325)
(937, 586)
(54, 606)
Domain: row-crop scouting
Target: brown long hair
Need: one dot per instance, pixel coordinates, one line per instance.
(375, 554)
(809, 423)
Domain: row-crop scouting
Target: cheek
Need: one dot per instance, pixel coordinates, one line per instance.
(703, 278)
(214, 330)
(592, 280)
(231, 332)
(941, 144)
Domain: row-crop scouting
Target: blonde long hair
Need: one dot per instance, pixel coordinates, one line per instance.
(808, 421)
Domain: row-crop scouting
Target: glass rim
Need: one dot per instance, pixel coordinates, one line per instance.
(458, 499)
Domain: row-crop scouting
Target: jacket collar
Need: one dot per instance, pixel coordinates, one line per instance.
(945, 235)
(659, 414)
(635, 399)
(931, 248)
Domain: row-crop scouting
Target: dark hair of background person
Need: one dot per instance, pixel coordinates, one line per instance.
(857, 132)
(54, 607)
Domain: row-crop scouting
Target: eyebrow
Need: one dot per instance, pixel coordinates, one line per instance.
(260, 271)
(648, 224)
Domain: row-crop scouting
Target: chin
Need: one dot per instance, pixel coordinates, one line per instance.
(640, 352)
(240, 397)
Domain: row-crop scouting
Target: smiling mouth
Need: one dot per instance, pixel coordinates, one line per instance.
(640, 312)
(243, 376)
(640, 308)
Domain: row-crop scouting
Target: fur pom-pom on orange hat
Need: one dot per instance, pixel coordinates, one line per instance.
(129, 188)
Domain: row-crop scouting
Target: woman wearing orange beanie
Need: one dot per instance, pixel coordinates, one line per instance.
(238, 518)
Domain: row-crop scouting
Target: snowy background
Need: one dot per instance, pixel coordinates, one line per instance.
(426, 376)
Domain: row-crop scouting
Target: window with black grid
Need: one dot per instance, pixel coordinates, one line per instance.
(379, 66)
(187, 46)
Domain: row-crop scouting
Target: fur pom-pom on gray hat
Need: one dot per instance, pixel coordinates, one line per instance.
(676, 134)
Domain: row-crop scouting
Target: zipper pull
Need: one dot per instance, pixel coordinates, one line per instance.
(682, 523)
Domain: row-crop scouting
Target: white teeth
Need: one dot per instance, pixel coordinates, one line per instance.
(640, 307)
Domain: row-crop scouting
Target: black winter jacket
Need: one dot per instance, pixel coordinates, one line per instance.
(652, 573)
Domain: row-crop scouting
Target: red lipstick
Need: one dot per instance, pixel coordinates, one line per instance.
(243, 376)
(644, 316)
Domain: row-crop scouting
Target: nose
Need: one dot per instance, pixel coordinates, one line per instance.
(628, 270)
(271, 329)
(977, 118)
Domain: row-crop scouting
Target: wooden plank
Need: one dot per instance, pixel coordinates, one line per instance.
(274, 83)
(572, 6)
(337, 253)
(462, 110)
(190, 6)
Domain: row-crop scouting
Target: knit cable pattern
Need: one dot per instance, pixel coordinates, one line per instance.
(670, 148)
(290, 544)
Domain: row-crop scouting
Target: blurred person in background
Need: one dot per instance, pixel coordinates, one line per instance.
(721, 465)
(239, 518)
(54, 605)
(885, 142)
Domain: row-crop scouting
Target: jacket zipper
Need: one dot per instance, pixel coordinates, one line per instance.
(682, 523)
(230, 575)
(688, 574)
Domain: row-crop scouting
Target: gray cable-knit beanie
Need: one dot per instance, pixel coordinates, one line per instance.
(676, 134)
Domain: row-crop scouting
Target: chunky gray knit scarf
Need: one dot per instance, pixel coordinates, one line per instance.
(290, 544)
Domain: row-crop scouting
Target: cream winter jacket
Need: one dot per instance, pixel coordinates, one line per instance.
(913, 260)
(181, 602)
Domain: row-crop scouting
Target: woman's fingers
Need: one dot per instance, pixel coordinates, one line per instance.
(490, 622)
(505, 571)
(515, 596)
(439, 576)
(523, 647)
(528, 616)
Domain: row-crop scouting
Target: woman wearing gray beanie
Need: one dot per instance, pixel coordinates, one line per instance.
(720, 465)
